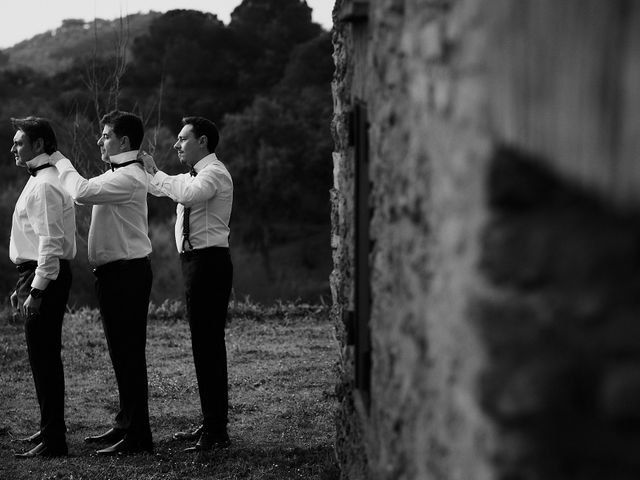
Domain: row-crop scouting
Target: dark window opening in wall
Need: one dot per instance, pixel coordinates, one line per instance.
(362, 300)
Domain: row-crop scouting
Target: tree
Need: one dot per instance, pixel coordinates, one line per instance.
(191, 54)
(279, 151)
(266, 33)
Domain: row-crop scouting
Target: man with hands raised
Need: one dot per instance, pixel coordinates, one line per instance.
(119, 247)
(204, 197)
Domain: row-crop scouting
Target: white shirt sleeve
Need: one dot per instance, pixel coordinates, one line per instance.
(45, 213)
(186, 189)
(108, 188)
(153, 189)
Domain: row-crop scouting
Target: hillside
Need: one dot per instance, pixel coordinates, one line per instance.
(55, 50)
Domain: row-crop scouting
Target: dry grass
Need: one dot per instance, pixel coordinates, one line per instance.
(281, 398)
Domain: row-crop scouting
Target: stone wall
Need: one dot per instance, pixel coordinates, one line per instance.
(505, 259)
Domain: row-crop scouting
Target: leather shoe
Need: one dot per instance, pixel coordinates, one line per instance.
(126, 447)
(110, 436)
(190, 435)
(208, 442)
(35, 438)
(41, 450)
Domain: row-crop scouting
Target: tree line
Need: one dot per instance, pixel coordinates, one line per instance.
(264, 79)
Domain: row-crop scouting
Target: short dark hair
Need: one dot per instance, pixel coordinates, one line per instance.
(35, 128)
(125, 123)
(202, 126)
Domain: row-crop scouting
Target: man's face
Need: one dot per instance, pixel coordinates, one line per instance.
(22, 149)
(188, 147)
(109, 144)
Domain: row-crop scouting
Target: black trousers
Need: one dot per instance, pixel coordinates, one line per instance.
(123, 289)
(208, 274)
(43, 333)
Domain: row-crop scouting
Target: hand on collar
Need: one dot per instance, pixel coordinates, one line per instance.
(38, 163)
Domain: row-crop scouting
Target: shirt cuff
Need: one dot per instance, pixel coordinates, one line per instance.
(56, 157)
(159, 177)
(40, 283)
(64, 164)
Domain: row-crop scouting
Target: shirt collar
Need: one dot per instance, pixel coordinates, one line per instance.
(39, 160)
(123, 157)
(203, 162)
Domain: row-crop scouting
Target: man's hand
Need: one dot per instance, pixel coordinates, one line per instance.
(149, 165)
(55, 157)
(31, 307)
(14, 300)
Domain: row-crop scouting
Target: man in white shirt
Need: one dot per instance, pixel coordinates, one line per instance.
(43, 240)
(204, 197)
(119, 247)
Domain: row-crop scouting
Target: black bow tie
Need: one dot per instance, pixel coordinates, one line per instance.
(32, 171)
(114, 166)
(192, 171)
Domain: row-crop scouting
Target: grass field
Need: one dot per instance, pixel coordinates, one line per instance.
(282, 400)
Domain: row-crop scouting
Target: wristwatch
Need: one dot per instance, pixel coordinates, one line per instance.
(36, 293)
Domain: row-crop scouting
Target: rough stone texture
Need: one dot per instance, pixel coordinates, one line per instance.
(505, 239)
(349, 441)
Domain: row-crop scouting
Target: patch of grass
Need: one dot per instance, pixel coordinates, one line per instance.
(281, 397)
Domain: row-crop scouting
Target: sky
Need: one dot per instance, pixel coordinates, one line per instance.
(22, 19)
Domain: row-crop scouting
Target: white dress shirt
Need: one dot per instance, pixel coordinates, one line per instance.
(43, 227)
(119, 229)
(210, 196)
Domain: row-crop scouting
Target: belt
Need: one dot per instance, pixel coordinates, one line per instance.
(26, 266)
(203, 251)
(117, 265)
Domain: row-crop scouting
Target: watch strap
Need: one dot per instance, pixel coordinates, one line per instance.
(36, 292)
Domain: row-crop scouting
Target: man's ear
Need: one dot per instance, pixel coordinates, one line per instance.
(38, 146)
(125, 145)
(203, 141)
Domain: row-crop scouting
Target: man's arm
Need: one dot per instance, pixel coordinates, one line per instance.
(153, 189)
(45, 214)
(182, 188)
(99, 190)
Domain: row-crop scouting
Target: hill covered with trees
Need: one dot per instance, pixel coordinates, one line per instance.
(55, 50)
(264, 79)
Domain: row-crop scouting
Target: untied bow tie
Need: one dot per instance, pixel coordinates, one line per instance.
(115, 166)
(32, 171)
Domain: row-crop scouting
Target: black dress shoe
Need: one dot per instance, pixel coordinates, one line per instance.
(208, 442)
(35, 438)
(41, 450)
(190, 435)
(112, 435)
(126, 447)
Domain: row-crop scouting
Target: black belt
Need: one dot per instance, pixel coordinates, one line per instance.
(203, 251)
(26, 266)
(117, 265)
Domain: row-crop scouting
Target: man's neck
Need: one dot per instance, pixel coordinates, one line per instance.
(38, 160)
(206, 158)
(123, 157)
